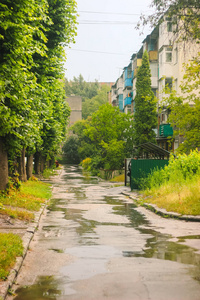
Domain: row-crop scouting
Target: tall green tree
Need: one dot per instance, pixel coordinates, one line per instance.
(145, 116)
(50, 75)
(70, 150)
(86, 148)
(33, 34)
(20, 22)
(109, 131)
(106, 137)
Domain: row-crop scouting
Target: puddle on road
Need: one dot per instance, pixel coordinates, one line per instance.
(188, 237)
(157, 245)
(46, 287)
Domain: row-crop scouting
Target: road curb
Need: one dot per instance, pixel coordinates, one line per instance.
(7, 285)
(162, 212)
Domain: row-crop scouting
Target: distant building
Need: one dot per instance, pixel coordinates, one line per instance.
(75, 103)
(106, 83)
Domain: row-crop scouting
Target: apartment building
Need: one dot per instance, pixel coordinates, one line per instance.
(173, 54)
(167, 56)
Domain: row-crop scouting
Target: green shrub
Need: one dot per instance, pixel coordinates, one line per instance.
(177, 172)
(86, 164)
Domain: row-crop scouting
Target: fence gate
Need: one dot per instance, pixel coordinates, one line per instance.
(151, 157)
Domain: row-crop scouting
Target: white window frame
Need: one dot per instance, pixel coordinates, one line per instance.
(168, 51)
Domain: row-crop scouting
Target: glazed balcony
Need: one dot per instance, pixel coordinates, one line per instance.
(153, 55)
(128, 82)
(165, 130)
(127, 101)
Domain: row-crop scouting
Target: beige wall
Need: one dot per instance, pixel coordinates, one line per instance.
(75, 103)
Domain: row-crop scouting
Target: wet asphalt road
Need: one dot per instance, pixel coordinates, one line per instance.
(94, 243)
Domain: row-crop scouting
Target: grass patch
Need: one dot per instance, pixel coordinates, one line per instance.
(10, 247)
(19, 204)
(47, 173)
(17, 214)
(183, 201)
(119, 178)
(29, 198)
(36, 188)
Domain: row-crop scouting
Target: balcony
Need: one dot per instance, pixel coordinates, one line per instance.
(120, 98)
(165, 130)
(127, 101)
(128, 82)
(153, 55)
(137, 63)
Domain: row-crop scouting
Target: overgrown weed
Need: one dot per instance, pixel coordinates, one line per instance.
(177, 186)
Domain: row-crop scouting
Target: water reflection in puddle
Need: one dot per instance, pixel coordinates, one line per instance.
(158, 246)
(88, 250)
(46, 287)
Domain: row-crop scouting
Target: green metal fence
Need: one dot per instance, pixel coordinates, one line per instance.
(142, 167)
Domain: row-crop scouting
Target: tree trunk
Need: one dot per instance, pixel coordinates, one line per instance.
(3, 166)
(42, 163)
(48, 164)
(22, 166)
(37, 163)
(29, 166)
(52, 162)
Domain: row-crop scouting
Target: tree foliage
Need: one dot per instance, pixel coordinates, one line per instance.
(70, 150)
(93, 94)
(185, 15)
(33, 111)
(84, 146)
(78, 86)
(90, 105)
(145, 117)
(105, 137)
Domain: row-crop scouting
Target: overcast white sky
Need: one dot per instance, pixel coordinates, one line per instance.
(106, 38)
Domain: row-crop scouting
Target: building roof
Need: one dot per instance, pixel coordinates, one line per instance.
(154, 150)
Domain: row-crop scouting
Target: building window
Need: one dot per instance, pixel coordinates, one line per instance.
(168, 54)
(176, 84)
(154, 91)
(176, 55)
(169, 26)
(168, 84)
(129, 109)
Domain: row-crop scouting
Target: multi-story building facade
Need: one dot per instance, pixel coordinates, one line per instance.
(117, 93)
(136, 60)
(167, 56)
(127, 88)
(173, 54)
